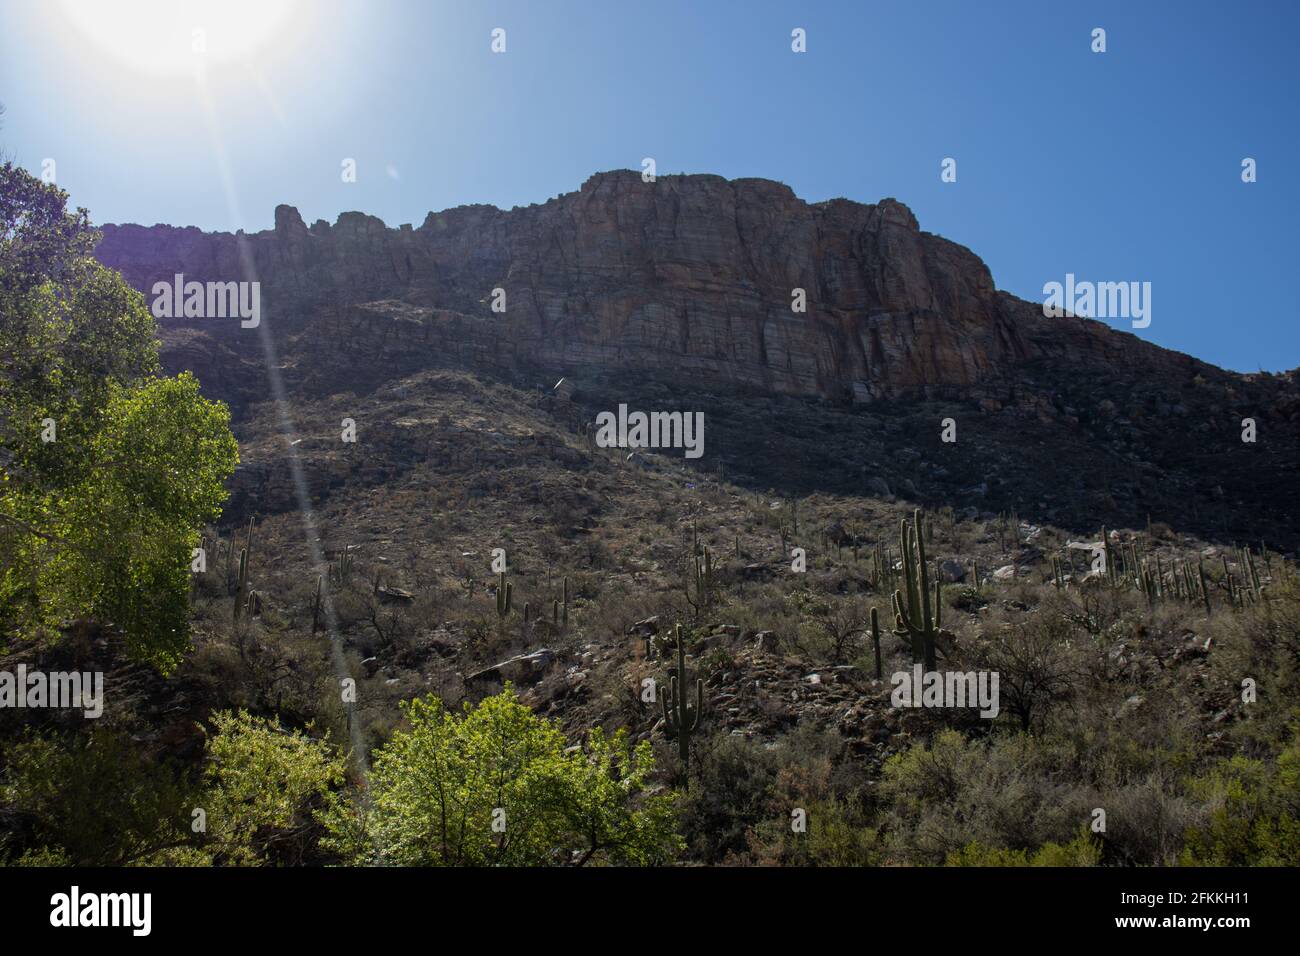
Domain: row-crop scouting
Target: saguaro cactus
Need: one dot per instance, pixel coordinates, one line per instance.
(882, 567)
(343, 571)
(875, 639)
(315, 609)
(916, 616)
(243, 580)
(699, 589)
(1250, 575)
(1205, 587)
(680, 718)
(505, 595)
(1108, 565)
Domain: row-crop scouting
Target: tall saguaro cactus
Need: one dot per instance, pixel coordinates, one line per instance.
(699, 588)
(680, 718)
(875, 638)
(505, 596)
(242, 582)
(917, 613)
(1204, 584)
(315, 609)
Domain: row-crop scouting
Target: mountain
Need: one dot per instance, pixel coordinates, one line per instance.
(677, 294)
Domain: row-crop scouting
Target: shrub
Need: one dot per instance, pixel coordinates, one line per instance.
(1254, 816)
(497, 785)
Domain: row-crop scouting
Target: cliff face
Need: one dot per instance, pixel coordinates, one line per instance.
(690, 275)
(678, 294)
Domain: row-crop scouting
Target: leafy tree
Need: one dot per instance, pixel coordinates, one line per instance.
(494, 785)
(88, 800)
(260, 784)
(95, 800)
(598, 793)
(107, 470)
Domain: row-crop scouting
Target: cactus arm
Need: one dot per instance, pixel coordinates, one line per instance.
(923, 580)
(938, 604)
(901, 621)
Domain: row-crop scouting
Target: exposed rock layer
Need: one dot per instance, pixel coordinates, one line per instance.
(678, 294)
(693, 274)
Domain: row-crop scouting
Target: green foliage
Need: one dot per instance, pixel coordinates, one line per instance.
(100, 521)
(259, 783)
(1083, 850)
(732, 797)
(838, 834)
(599, 790)
(95, 800)
(90, 800)
(1254, 816)
(942, 796)
(441, 783)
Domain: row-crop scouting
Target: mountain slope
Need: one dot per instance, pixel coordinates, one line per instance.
(678, 294)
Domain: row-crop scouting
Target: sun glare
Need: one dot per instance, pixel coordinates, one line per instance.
(176, 37)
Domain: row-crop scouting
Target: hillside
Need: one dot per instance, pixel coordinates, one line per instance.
(1098, 541)
(636, 291)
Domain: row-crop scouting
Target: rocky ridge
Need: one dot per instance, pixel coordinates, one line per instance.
(681, 290)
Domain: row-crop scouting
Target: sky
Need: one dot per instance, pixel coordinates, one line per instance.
(1124, 165)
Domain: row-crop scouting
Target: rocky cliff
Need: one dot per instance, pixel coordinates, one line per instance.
(693, 274)
(682, 289)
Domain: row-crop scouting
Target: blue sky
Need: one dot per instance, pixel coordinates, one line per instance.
(1117, 166)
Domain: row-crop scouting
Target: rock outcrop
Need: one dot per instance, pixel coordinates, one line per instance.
(678, 294)
(690, 274)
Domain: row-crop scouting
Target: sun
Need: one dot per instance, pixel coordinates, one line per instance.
(178, 37)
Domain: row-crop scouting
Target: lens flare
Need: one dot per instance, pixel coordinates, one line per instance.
(178, 37)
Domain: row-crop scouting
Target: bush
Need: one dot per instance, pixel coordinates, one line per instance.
(1083, 850)
(1002, 794)
(497, 785)
(1254, 817)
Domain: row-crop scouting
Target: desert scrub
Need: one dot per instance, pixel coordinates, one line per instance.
(1252, 812)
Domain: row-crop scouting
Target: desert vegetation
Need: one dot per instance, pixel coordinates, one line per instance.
(669, 665)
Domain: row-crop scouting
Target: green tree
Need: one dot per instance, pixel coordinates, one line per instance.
(107, 470)
(494, 785)
(95, 800)
(260, 786)
(598, 790)
(88, 800)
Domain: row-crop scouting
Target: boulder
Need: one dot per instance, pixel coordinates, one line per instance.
(952, 571)
(524, 669)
